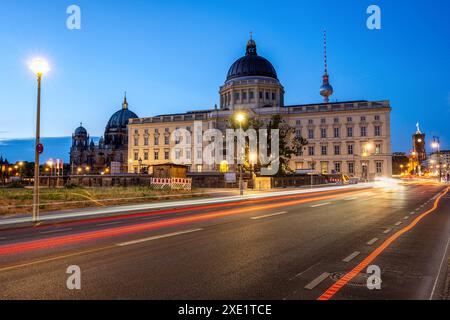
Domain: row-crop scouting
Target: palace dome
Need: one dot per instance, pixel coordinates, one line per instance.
(251, 65)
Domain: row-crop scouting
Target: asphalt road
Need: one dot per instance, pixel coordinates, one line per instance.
(293, 247)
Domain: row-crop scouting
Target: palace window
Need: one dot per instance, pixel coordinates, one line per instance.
(166, 140)
(156, 155)
(349, 119)
(136, 156)
(145, 141)
(377, 118)
(337, 167)
(310, 133)
(337, 150)
(267, 95)
(244, 95)
(146, 155)
(310, 121)
(251, 95)
(363, 119)
(166, 155)
(351, 167)
(379, 167)
(378, 131)
(136, 142)
(323, 133)
(298, 133)
(260, 95)
(378, 148)
(298, 122)
(336, 120)
(350, 132)
(350, 149)
(156, 140)
(323, 150)
(323, 120)
(363, 131)
(273, 95)
(337, 132)
(311, 150)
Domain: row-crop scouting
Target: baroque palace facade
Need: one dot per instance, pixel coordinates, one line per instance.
(351, 137)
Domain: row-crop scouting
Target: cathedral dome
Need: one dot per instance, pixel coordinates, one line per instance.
(120, 119)
(80, 131)
(251, 65)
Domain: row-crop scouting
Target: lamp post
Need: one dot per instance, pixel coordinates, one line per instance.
(39, 67)
(140, 165)
(437, 145)
(240, 117)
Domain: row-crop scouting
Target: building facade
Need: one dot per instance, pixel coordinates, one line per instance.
(350, 137)
(111, 152)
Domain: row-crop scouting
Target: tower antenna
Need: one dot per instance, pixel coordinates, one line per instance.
(326, 90)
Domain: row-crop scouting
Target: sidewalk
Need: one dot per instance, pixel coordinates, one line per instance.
(220, 196)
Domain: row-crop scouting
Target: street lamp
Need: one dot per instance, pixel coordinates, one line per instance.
(39, 67)
(240, 118)
(140, 165)
(437, 145)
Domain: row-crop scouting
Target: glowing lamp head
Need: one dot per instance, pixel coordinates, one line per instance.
(435, 145)
(240, 117)
(252, 158)
(39, 66)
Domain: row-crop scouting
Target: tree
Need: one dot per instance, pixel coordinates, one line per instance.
(290, 144)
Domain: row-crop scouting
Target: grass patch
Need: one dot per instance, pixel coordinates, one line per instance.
(14, 201)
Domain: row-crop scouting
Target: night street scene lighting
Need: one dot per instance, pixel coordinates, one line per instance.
(217, 159)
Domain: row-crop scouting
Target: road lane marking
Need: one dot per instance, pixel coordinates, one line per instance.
(150, 218)
(317, 281)
(412, 213)
(352, 256)
(268, 215)
(440, 269)
(338, 285)
(406, 217)
(350, 199)
(108, 223)
(55, 231)
(387, 231)
(398, 223)
(168, 235)
(371, 242)
(306, 270)
(320, 204)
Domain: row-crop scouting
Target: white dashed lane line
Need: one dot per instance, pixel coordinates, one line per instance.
(371, 242)
(168, 235)
(387, 231)
(398, 223)
(350, 199)
(108, 223)
(268, 215)
(320, 204)
(406, 217)
(55, 231)
(317, 281)
(352, 256)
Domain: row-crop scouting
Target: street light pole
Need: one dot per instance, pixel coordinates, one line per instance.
(39, 67)
(36, 152)
(437, 144)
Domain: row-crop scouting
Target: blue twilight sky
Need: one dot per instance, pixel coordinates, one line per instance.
(172, 56)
